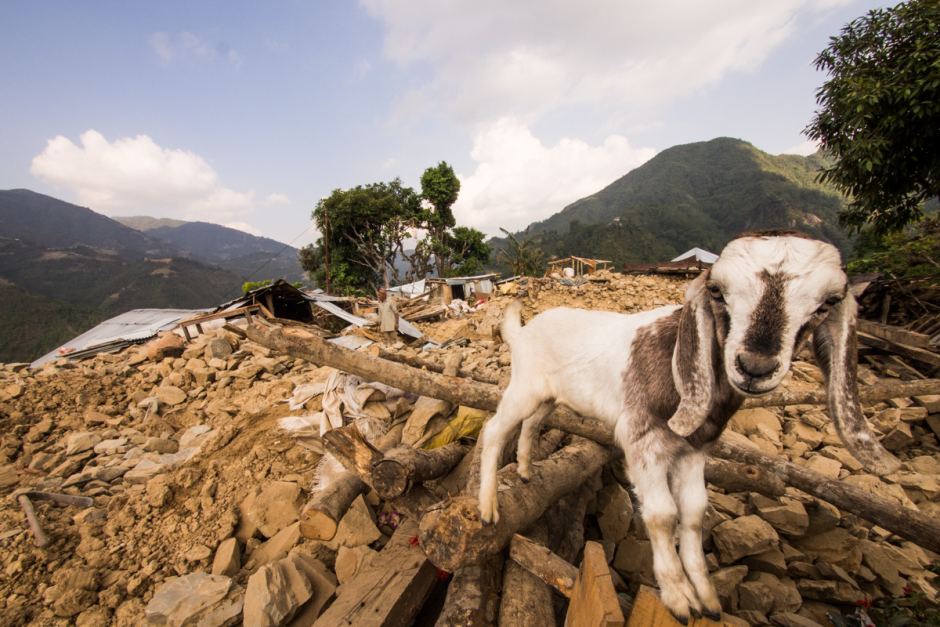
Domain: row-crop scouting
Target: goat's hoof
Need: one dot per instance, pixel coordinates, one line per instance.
(524, 474)
(684, 620)
(712, 615)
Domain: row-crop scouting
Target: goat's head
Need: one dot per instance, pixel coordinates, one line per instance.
(763, 298)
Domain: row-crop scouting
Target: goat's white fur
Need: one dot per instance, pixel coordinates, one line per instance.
(581, 359)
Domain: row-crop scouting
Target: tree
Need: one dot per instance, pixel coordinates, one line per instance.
(467, 250)
(440, 186)
(523, 256)
(364, 228)
(880, 114)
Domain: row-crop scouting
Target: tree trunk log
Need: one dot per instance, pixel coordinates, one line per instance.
(866, 394)
(473, 595)
(735, 477)
(321, 515)
(432, 366)
(538, 560)
(452, 533)
(351, 449)
(526, 599)
(402, 467)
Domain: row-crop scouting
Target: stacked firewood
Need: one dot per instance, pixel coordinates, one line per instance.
(442, 563)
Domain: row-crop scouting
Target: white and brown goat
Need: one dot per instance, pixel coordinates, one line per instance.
(668, 380)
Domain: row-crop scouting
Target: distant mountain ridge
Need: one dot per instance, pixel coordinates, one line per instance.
(64, 268)
(699, 194)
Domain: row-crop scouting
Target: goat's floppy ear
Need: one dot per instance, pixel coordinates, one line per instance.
(834, 342)
(693, 369)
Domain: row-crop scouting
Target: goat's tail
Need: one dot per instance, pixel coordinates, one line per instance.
(512, 322)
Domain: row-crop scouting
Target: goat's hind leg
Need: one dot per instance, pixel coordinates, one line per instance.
(528, 437)
(515, 406)
(688, 488)
(648, 461)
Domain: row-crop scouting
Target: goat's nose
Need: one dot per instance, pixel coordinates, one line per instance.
(756, 365)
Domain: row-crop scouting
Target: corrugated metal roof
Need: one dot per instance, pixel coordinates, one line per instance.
(128, 328)
(699, 255)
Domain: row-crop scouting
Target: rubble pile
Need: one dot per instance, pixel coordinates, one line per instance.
(204, 508)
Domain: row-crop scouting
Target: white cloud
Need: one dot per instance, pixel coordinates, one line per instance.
(804, 148)
(389, 163)
(134, 174)
(186, 45)
(492, 58)
(244, 227)
(276, 199)
(518, 179)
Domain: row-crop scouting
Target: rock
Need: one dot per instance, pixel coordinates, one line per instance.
(788, 516)
(350, 560)
(771, 561)
(931, 402)
(791, 619)
(275, 593)
(615, 512)
(804, 433)
(275, 548)
(752, 617)
(828, 590)
(72, 592)
(357, 527)
(785, 596)
(842, 455)
(634, 560)
(925, 464)
(755, 596)
(758, 421)
(195, 436)
(323, 581)
(160, 445)
(228, 558)
(836, 546)
(818, 612)
(170, 395)
(111, 447)
(9, 477)
(876, 486)
(747, 535)
(166, 345)
(726, 582)
(197, 553)
(727, 504)
(191, 600)
(275, 507)
(158, 491)
(218, 348)
(39, 430)
(823, 516)
(824, 465)
(898, 438)
(80, 442)
(144, 471)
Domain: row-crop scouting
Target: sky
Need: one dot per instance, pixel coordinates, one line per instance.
(247, 113)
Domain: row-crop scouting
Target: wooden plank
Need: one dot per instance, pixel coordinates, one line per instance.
(388, 592)
(893, 333)
(541, 562)
(594, 602)
(911, 352)
(649, 611)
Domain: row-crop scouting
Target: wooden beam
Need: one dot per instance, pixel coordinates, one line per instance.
(649, 611)
(594, 602)
(541, 562)
(911, 352)
(893, 333)
(389, 591)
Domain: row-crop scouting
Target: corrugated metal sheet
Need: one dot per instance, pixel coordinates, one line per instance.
(128, 328)
(339, 312)
(699, 255)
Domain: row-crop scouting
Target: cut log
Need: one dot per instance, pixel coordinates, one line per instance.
(433, 366)
(921, 355)
(402, 467)
(473, 594)
(452, 533)
(389, 591)
(351, 449)
(649, 611)
(566, 519)
(735, 477)
(594, 602)
(538, 560)
(526, 599)
(320, 517)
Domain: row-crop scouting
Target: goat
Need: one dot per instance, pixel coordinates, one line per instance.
(668, 380)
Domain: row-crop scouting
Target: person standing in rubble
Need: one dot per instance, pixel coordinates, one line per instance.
(388, 317)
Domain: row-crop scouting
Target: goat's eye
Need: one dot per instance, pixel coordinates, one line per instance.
(715, 292)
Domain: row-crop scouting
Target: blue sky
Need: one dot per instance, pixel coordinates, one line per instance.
(247, 113)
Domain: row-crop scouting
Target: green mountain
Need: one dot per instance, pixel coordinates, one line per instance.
(64, 268)
(700, 194)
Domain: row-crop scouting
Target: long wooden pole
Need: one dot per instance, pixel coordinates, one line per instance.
(908, 523)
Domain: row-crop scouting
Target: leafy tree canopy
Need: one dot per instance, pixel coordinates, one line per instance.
(469, 251)
(880, 114)
(440, 186)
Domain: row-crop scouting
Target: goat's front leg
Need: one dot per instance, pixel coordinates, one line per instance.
(688, 488)
(528, 437)
(514, 407)
(648, 462)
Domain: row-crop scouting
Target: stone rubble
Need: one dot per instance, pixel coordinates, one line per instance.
(197, 492)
